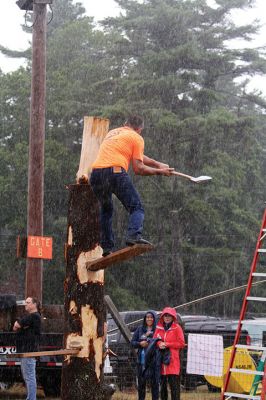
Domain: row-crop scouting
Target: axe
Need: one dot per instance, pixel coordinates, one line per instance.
(199, 179)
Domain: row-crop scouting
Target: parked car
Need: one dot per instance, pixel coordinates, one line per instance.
(255, 327)
(48, 368)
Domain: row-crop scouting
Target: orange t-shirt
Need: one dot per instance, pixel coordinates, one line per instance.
(118, 148)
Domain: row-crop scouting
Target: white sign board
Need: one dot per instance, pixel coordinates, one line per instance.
(205, 355)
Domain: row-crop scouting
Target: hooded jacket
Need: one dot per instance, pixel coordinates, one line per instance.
(173, 337)
(141, 331)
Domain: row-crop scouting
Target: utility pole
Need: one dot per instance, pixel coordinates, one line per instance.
(34, 267)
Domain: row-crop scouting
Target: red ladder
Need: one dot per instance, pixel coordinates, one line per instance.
(228, 395)
(263, 391)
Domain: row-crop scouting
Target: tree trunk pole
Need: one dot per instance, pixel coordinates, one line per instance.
(36, 147)
(82, 375)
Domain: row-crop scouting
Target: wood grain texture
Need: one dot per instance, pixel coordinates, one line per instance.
(43, 353)
(118, 256)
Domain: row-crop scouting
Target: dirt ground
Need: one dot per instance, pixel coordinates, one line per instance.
(17, 392)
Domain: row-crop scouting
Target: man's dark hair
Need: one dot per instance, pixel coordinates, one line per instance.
(135, 121)
(38, 304)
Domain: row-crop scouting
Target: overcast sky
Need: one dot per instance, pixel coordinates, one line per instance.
(12, 36)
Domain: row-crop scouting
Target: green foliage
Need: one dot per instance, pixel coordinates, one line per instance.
(124, 298)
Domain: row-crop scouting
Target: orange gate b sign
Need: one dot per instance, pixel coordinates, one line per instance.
(40, 247)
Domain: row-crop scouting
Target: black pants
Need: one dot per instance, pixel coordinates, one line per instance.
(154, 382)
(174, 383)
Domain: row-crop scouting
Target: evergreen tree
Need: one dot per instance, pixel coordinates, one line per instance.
(175, 66)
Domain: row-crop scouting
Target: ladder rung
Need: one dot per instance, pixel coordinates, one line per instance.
(259, 274)
(250, 347)
(256, 298)
(242, 396)
(247, 371)
(262, 251)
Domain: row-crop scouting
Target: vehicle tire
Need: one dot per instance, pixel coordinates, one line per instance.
(213, 389)
(189, 383)
(51, 384)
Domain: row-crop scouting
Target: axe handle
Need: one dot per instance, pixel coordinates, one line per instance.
(180, 174)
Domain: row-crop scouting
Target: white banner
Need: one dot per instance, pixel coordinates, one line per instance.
(205, 355)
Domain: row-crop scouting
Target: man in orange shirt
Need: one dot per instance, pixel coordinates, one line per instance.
(109, 175)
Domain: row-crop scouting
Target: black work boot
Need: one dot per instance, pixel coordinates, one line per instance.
(107, 252)
(139, 240)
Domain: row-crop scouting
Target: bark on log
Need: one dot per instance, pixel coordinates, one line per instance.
(82, 375)
(85, 315)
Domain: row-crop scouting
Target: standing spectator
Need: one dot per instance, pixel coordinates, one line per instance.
(172, 339)
(140, 340)
(28, 330)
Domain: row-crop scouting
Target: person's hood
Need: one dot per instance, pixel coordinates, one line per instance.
(155, 319)
(170, 311)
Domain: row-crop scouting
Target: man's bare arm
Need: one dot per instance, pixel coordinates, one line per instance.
(140, 168)
(150, 162)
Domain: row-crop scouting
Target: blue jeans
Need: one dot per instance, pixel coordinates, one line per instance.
(104, 183)
(28, 369)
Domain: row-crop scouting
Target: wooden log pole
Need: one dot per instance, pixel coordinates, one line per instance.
(82, 374)
(34, 266)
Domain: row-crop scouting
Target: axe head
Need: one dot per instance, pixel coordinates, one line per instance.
(201, 179)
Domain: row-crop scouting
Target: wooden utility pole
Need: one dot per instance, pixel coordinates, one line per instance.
(34, 267)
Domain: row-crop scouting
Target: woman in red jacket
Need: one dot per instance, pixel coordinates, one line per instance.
(172, 339)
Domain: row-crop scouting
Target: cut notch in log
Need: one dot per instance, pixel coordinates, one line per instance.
(44, 353)
(121, 255)
(94, 131)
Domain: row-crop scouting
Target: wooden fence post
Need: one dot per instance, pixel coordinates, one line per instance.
(85, 315)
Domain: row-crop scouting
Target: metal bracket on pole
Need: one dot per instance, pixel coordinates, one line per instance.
(43, 1)
(25, 4)
(28, 4)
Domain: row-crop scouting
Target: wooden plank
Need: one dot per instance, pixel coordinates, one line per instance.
(117, 318)
(44, 353)
(121, 255)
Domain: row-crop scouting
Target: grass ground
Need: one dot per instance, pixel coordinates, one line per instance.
(201, 394)
(17, 392)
